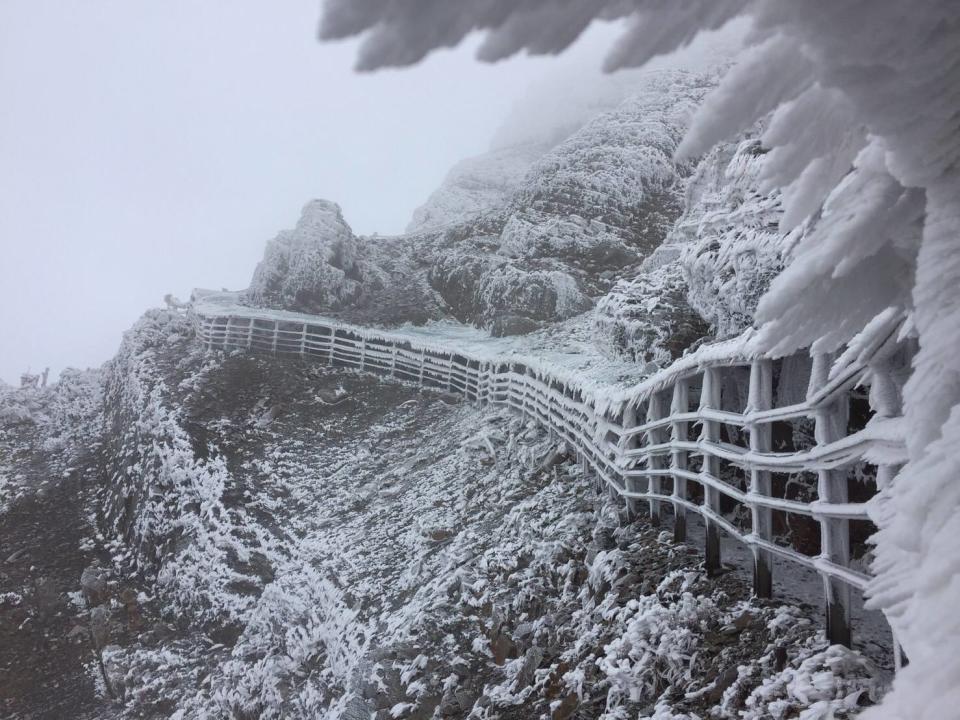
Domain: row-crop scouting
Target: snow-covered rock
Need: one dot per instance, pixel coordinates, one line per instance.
(708, 275)
(314, 266)
(649, 318)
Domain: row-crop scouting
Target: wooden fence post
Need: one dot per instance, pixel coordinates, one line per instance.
(679, 432)
(710, 400)
(655, 462)
(276, 330)
(630, 483)
(886, 400)
(761, 398)
(831, 425)
(228, 332)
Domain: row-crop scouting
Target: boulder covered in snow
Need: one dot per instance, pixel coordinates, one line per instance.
(314, 266)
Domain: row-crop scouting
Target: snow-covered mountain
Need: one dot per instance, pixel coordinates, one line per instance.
(263, 539)
(527, 234)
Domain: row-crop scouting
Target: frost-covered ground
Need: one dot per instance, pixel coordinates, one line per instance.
(47, 537)
(310, 542)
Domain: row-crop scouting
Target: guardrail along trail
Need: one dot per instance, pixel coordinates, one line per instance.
(719, 433)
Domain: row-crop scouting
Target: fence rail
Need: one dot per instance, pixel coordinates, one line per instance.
(642, 446)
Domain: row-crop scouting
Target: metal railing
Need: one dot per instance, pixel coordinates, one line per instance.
(641, 444)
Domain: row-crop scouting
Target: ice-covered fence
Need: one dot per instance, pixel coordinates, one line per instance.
(761, 422)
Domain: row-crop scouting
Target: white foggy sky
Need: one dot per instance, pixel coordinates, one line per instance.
(150, 147)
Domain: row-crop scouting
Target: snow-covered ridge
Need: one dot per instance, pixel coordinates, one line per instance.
(636, 439)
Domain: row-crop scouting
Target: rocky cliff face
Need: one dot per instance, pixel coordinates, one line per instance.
(315, 264)
(525, 235)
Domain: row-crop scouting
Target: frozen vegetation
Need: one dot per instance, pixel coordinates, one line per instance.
(267, 538)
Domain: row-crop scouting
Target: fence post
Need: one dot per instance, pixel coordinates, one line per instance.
(886, 401)
(710, 400)
(303, 340)
(830, 424)
(250, 334)
(483, 384)
(228, 332)
(276, 330)
(679, 432)
(629, 483)
(761, 398)
(654, 462)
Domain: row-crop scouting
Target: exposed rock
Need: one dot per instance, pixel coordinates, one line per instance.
(720, 685)
(567, 707)
(531, 661)
(93, 584)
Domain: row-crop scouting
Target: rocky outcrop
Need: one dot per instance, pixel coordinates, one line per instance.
(321, 266)
(316, 265)
(648, 319)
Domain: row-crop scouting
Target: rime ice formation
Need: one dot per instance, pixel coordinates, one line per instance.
(711, 270)
(335, 548)
(865, 142)
(649, 319)
(730, 245)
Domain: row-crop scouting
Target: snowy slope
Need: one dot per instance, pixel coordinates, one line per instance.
(475, 186)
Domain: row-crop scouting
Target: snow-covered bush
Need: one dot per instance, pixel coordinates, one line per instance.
(728, 237)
